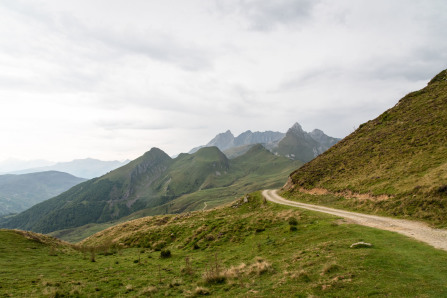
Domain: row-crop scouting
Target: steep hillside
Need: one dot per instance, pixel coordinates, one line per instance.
(19, 192)
(399, 159)
(97, 200)
(157, 184)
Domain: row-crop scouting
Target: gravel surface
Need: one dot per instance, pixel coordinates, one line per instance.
(413, 229)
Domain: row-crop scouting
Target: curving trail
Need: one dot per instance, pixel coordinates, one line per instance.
(417, 230)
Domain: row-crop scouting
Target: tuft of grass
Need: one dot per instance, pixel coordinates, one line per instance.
(330, 268)
(201, 291)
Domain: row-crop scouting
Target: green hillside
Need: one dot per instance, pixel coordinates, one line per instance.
(19, 192)
(401, 155)
(249, 248)
(156, 184)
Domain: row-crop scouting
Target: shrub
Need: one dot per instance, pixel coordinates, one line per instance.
(187, 269)
(259, 230)
(165, 253)
(442, 190)
(214, 274)
(293, 221)
(159, 245)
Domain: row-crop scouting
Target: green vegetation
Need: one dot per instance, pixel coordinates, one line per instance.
(155, 184)
(243, 249)
(401, 154)
(19, 192)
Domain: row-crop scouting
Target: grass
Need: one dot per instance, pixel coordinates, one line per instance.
(242, 249)
(401, 154)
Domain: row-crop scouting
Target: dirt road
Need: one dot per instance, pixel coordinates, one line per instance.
(413, 229)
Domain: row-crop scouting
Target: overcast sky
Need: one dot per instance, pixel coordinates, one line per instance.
(110, 79)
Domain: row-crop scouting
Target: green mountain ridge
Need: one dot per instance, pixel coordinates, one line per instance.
(401, 154)
(156, 184)
(20, 192)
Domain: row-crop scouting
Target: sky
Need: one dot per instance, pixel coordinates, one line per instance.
(110, 79)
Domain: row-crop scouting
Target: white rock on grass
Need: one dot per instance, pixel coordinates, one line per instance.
(361, 244)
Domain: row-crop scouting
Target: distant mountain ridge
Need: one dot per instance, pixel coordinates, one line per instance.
(226, 140)
(85, 168)
(296, 144)
(20, 192)
(11, 165)
(154, 181)
(300, 145)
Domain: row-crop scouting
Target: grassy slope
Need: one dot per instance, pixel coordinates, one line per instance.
(402, 153)
(243, 249)
(19, 192)
(255, 170)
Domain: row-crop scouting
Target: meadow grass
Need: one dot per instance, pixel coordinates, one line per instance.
(243, 249)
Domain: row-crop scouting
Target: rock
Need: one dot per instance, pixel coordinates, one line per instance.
(361, 244)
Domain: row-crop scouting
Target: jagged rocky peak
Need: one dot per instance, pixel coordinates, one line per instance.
(298, 131)
(317, 133)
(296, 127)
(222, 141)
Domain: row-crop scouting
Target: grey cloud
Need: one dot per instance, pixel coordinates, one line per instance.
(296, 81)
(264, 15)
(131, 125)
(418, 64)
(159, 47)
(107, 42)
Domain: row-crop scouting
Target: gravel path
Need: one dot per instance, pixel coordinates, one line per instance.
(413, 229)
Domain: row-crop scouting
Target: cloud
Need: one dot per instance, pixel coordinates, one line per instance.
(103, 76)
(96, 42)
(115, 125)
(264, 15)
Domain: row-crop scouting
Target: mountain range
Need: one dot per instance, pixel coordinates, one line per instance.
(295, 144)
(19, 192)
(85, 168)
(155, 184)
(395, 164)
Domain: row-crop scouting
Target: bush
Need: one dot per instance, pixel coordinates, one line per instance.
(159, 245)
(165, 253)
(293, 221)
(259, 230)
